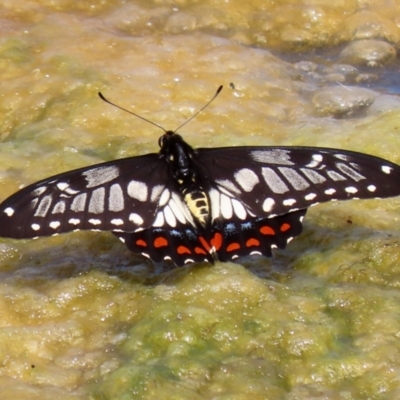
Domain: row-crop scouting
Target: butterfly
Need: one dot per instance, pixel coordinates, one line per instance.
(193, 205)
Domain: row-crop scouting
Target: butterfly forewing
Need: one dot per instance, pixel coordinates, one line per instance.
(271, 181)
(120, 195)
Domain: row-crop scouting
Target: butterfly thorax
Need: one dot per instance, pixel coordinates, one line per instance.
(178, 156)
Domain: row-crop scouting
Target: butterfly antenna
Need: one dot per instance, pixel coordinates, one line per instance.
(131, 112)
(201, 109)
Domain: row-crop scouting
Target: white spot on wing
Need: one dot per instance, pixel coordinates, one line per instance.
(166, 194)
(352, 173)
(313, 176)
(330, 191)
(74, 221)
(238, 209)
(335, 176)
(310, 196)
(94, 221)
(138, 190)
(386, 169)
(59, 207)
(342, 157)
(136, 218)
(351, 189)
(35, 227)
(169, 216)
(100, 175)
(268, 204)
(96, 202)
(187, 215)
(276, 156)
(68, 190)
(246, 179)
(79, 202)
(177, 210)
(289, 202)
(116, 198)
(159, 221)
(273, 180)
(316, 161)
(9, 211)
(296, 180)
(117, 221)
(226, 206)
(371, 188)
(43, 206)
(214, 200)
(40, 190)
(54, 224)
(228, 186)
(155, 192)
(62, 185)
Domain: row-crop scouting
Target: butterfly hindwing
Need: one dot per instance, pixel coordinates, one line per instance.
(182, 245)
(226, 241)
(256, 235)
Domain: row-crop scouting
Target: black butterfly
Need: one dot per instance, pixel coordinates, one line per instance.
(190, 205)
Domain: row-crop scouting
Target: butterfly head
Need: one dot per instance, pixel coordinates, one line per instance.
(171, 143)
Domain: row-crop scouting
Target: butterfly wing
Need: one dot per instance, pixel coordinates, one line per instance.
(271, 181)
(235, 238)
(125, 194)
(136, 198)
(259, 195)
(182, 244)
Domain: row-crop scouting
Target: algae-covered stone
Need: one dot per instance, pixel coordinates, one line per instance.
(83, 318)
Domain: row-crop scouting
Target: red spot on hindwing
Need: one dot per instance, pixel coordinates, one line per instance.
(233, 246)
(285, 227)
(204, 243)
(267, 230)
(216, 241)
(252, 242)
(160, 242)
(141, 243)
(183, 250)
(199, 250)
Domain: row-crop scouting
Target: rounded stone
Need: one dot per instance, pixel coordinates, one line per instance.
(340, 101)
(371, 53)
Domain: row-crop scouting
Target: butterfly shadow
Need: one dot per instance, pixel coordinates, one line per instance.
(36, 262)
(68, 256)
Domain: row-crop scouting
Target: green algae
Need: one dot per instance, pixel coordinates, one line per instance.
(81, 317)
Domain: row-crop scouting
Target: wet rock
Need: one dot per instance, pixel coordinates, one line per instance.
(341, 101)
(335, 77)
(366, 24)
(384, 103)
(306, 66)
(180, 22)
(372, 53)
(347, 70)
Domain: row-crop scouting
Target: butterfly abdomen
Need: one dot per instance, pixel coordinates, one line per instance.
(198, 204)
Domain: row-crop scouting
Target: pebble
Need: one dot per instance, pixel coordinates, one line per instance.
(341, 101)
(371, 53)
